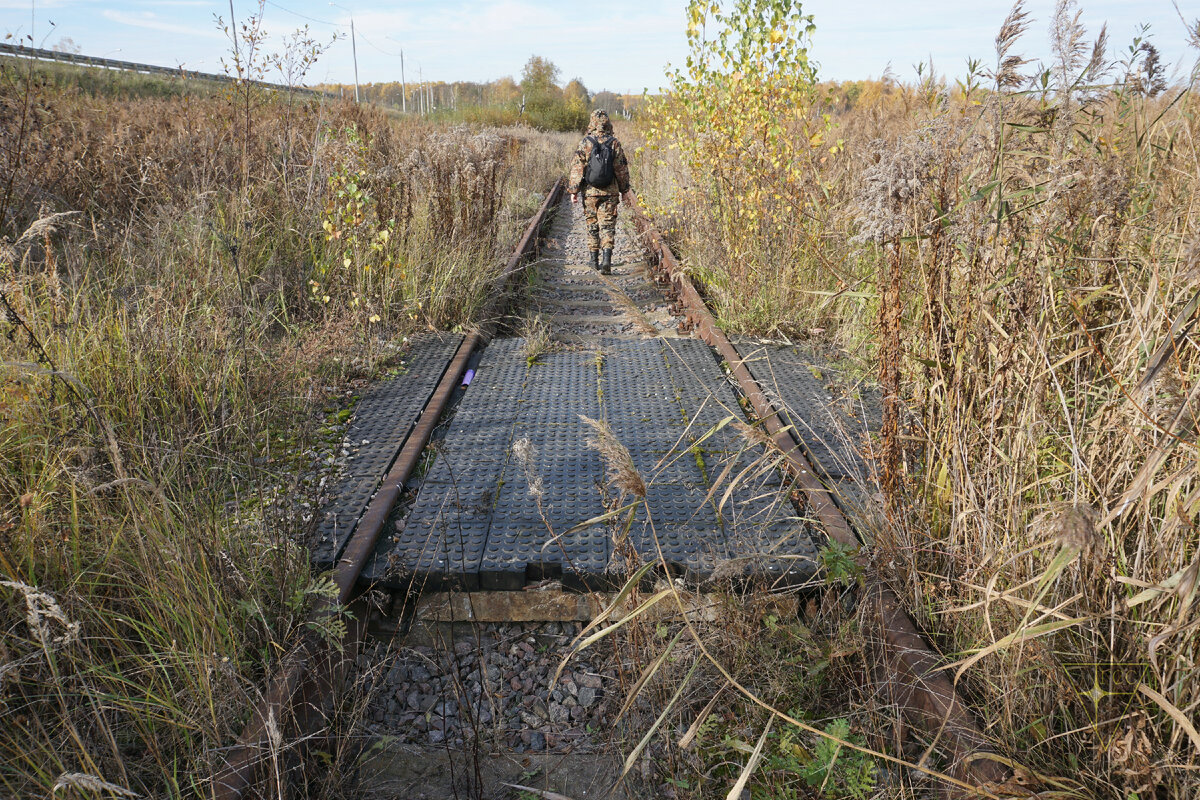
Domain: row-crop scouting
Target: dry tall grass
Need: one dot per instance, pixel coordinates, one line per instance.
(170, 343)
(1019, 254)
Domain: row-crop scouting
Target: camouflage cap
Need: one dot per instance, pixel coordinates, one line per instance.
(599, 122)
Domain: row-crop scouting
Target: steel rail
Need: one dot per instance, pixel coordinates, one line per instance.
(293, 703)
(917, 682)
(366, 533)
(525, 247)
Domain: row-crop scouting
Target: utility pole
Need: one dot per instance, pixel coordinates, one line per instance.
(237, 59)
(354, 52)
(403, 84)
(353, 45)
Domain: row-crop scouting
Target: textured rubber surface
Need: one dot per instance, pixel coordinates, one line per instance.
(514, 483)
(551, 481)
(832, 437)
(382, 421)
(441, 539)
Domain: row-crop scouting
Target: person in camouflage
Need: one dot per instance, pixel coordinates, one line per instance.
(600, 202)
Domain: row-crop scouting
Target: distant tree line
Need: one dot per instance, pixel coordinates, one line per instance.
(539, 99)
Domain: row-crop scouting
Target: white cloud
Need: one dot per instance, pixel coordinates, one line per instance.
(148, 19)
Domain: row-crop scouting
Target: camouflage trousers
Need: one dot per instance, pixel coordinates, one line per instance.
(600, 212)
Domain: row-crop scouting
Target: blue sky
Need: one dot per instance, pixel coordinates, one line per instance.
(485, 39)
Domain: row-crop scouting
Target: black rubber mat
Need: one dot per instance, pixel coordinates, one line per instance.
(832, 431)
(515, 487)
(706, 397)
(441, 539)
(552, 482)
(382, 421)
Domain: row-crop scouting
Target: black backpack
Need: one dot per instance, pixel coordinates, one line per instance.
(600, 170)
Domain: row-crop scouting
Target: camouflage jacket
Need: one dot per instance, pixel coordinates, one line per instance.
(575, 181)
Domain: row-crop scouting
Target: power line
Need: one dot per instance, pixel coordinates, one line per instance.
(302, 16)
(377, 47)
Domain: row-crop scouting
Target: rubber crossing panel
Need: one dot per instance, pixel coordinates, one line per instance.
(552, 481)
(764, 538)
(514, 483)
(832, 437)
(382, 421)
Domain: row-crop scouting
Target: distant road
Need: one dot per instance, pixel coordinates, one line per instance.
(130, 66)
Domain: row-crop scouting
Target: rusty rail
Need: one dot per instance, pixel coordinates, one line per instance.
(293, 705)
(366, 534)
(523, 250)
(915, 681)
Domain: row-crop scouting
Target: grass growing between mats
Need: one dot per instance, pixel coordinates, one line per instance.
(740, 688)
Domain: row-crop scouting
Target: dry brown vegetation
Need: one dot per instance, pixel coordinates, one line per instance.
(1016, 257)
(187, 282)
(1018, 260)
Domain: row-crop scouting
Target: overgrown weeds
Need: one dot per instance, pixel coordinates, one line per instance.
(742, 689)
(187, 282)
(739, 688)
(1018, 250)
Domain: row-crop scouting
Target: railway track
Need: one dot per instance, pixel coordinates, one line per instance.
(470, 477)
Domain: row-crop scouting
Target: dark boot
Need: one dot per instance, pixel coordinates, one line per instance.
(606, 264)
(594, 259)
